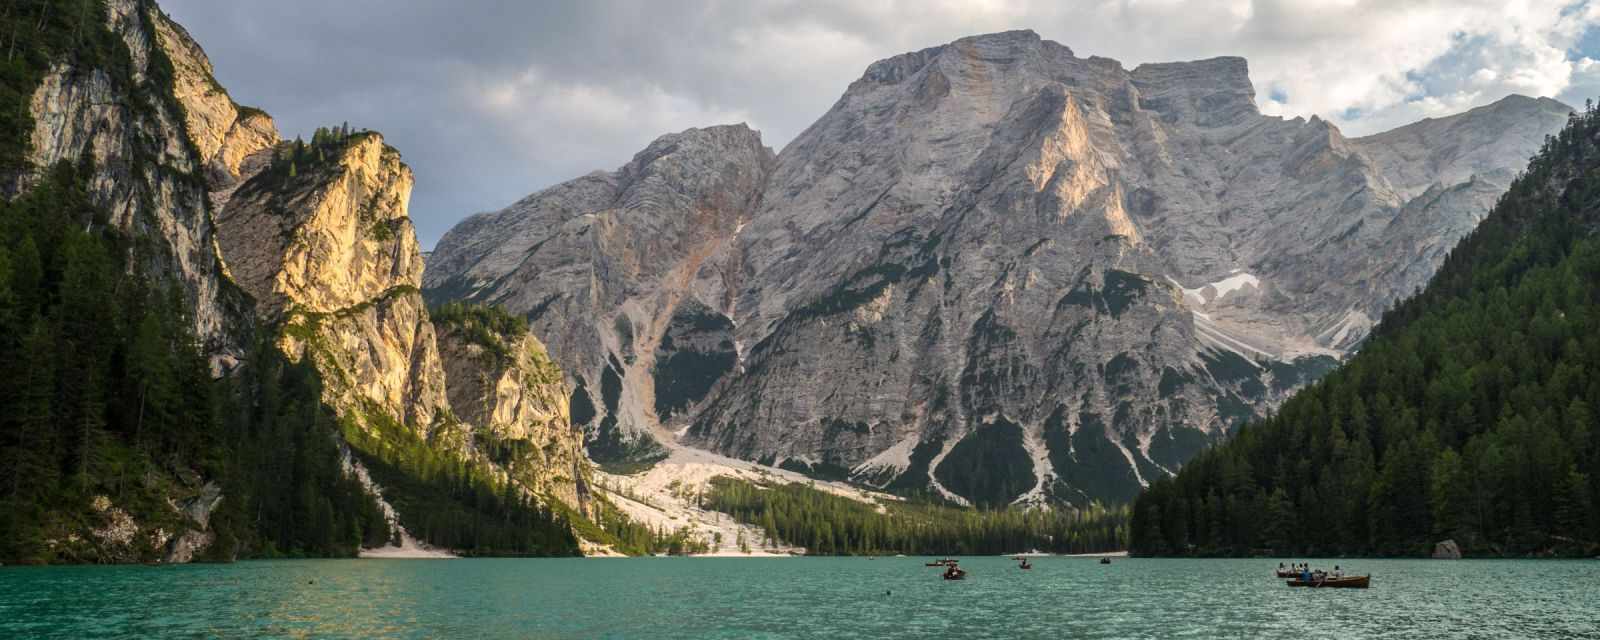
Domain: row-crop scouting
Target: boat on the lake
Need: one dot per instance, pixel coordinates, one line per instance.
(1288, 573)
(1347, 582)
(1105, 561)
(945, 562)
(1025, 565)
(953, 572)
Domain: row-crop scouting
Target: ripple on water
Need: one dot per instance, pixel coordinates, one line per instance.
(794, 598)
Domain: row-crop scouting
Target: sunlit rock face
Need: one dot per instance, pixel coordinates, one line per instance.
(330, 253)
(150, 138)
(330, 256)
(993, 270)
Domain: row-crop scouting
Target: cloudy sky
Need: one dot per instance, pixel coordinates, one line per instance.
(492, 100)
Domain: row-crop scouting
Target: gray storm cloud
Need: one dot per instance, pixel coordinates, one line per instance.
(489, 101)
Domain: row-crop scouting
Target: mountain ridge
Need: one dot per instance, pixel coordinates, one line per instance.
(1122, 264)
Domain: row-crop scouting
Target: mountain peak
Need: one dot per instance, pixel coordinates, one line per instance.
(1002, 40)
(971, 256)
(999, 47)
(1210, 92)
(703, 144)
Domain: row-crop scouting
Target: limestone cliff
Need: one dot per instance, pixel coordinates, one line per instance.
(330, 253)
(993, 269)
(320, 237)
(152, 125)
(499, 376)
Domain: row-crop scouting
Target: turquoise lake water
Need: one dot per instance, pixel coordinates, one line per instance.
(797, 598)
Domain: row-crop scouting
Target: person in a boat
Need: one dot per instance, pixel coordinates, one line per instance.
(1337, 573)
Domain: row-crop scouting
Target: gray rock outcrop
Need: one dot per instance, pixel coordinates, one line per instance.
(1447, 550)
(993, 269)
(150, 156)
(601, 265)
(191, 541)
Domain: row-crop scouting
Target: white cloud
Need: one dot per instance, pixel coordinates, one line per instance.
(506, 98)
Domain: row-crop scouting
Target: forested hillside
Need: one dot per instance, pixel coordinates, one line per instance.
(125, 437)
(827, 524)
(110, 395)
(1470, 413)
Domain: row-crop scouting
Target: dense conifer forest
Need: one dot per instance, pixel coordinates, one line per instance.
(827, 524)
(112, 396)
(1469, 414)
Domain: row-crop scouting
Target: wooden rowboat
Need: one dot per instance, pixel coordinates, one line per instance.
(1347, 582)
(1288, 573)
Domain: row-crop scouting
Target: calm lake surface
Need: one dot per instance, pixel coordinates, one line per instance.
(796, 598)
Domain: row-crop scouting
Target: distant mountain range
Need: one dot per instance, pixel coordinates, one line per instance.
(993, 271)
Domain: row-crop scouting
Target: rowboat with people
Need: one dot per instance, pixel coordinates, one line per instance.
(1292, 571)
(1346, 582)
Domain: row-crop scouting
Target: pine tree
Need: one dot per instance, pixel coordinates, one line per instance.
(1573, 507)
(27, 277)
(1448, 496)
(150, 367)
(1278, 532)
(34, 416)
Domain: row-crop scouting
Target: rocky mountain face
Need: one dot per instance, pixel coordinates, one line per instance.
(324, 256)
(505, 382)
(609, 269)
(136, 110)
(152, 152)
(331, 256)
(993, 270)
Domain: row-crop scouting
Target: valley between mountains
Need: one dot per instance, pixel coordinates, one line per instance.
(994, 274)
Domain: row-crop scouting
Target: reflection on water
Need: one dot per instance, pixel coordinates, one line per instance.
(794, 598)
